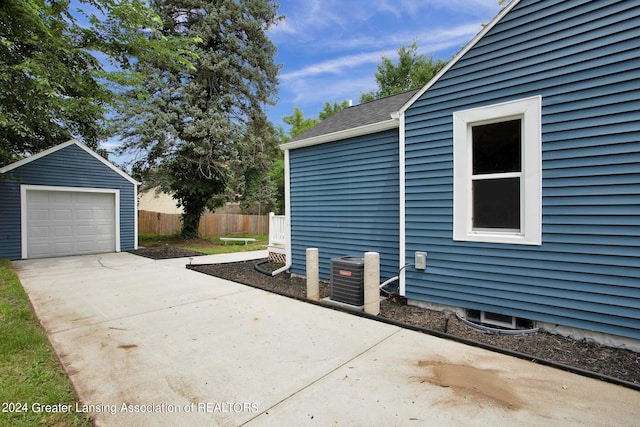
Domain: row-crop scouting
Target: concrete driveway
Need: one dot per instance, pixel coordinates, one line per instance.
(151, 343)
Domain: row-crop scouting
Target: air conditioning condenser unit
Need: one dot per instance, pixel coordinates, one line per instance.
(347, 280)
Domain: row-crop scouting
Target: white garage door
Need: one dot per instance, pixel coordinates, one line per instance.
(61, 223)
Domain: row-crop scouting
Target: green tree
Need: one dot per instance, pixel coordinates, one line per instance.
(299, 123)
(258, 152)
(331, 109)
(52, 86)
(276, 176)
(412, 71)
(190, 130)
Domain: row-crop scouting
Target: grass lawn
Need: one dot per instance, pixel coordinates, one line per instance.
(210, 246)
(30, 374)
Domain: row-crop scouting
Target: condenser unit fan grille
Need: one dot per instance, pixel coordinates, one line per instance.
(347, 280)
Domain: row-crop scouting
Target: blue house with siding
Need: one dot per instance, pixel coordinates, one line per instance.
(66, 200)
(344, 192)
(519, 175)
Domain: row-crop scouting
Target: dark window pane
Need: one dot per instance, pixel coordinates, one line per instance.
(496, 203)
(496, 147)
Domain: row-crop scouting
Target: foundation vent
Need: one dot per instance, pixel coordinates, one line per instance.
(498, 320)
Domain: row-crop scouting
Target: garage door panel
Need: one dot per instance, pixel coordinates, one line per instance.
(41, 231)
(62, 197)
(86, 214)
(103, 246)
(38, 251)
(39, 214)
(86, 246)
(39, 197)
(102, 229)
(63, 248)
(63, 223)
(101, 215)
(62, 231)
(63, 214)
(99, 201)
(85, 230)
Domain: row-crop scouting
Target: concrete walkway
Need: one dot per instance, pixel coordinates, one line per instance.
(151, 343)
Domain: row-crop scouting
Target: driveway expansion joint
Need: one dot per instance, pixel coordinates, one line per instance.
(325, 375)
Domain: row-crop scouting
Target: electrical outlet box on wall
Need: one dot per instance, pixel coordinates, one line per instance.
(421, 260)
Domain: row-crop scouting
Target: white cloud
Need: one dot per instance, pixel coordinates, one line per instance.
(428, 43)
(283, 27)
(332, 66)
(311, 94)
(308, 18)
(304, 18)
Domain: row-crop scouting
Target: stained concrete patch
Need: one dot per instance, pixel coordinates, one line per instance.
(481, 385)
(127, 346)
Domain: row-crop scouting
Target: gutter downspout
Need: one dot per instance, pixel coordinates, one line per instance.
(136, 188)
(287, 213)
(399, 115)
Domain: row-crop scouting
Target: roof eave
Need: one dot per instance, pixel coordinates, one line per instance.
(343, 134)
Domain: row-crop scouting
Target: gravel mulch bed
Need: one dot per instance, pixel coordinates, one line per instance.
(165, 252)
(620, 364)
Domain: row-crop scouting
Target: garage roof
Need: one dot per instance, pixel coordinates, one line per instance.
(60, 147)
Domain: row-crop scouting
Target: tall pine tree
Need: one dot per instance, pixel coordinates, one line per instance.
(188, 127)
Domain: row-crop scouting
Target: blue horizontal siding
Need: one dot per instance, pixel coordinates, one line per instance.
(70, 166)
(583, 58)
(10, 242)
(345, 201)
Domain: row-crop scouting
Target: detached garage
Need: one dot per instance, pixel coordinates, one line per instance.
(65, 201)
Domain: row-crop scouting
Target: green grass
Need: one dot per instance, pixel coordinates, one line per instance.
(210, 246)
(150, 239)
(30, 373)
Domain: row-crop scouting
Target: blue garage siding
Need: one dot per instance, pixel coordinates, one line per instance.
(583, 58)
(345, 201)
(10, 243)
(70, 166)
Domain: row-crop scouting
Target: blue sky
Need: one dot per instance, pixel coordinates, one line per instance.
(329, 49)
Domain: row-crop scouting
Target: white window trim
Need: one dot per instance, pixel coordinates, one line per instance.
(530, 110)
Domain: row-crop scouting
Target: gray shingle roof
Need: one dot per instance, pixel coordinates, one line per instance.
(358, 115)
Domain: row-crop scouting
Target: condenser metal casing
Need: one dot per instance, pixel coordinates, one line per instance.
(347, 280)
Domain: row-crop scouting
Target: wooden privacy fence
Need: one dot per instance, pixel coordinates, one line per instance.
(211, 224)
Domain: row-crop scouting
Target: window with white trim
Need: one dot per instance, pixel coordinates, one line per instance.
(497, 195)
